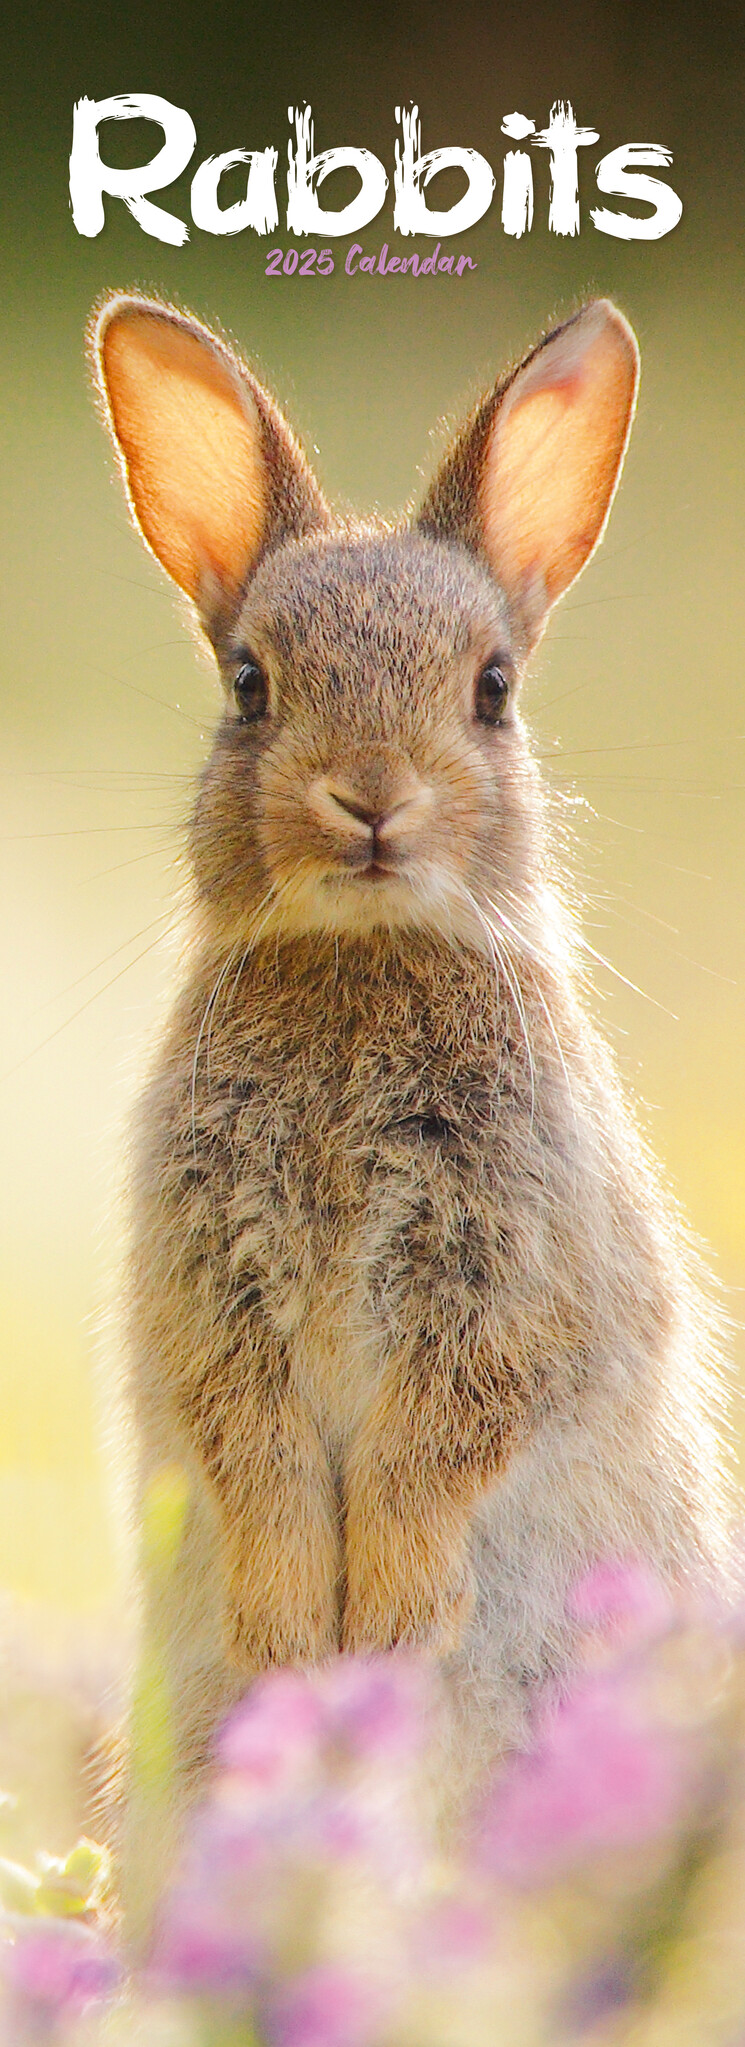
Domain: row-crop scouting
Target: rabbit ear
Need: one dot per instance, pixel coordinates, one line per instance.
(529, 482)
(212, 472)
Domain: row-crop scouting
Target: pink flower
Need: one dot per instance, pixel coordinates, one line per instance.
(271, 1737)
(369, 1708)
(624, 1601)
(380, 1707)
(452, 1936)
(313, 1776)
(193, 1955)
(212, 1926)
(602, 1774)
(327, 2006)
(59, 1965)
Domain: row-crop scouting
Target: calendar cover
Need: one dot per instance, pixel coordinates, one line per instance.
(382, 209)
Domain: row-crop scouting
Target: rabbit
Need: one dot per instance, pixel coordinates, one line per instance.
(406, 1301)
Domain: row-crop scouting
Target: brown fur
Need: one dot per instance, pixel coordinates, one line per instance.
(405, 1297)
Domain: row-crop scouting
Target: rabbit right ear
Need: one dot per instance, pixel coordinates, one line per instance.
(212, 472)
(529, 482)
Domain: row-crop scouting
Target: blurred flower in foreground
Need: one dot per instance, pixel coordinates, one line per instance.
(598, 1777)
(293, 1888)
(54, 1970)
(596, 1895)
(325, 2007)
(623, 1602)
(607, 1768)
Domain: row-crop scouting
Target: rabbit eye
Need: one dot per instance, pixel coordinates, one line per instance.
(491, 694)
(251, 692)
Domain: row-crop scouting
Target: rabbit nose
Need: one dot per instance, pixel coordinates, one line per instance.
(340, 809)
(408, 812)
(343, 811)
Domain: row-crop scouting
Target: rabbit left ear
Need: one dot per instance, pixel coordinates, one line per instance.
(529, 482)
(212, 472)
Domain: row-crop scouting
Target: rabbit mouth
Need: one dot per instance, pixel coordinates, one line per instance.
(378, 870)
(350, 884)
(375, 862)
(373, 875)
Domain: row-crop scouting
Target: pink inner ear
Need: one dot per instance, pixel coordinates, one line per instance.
(553, 458)
(189, 434)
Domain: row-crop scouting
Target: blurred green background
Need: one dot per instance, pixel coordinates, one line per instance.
(635, 699)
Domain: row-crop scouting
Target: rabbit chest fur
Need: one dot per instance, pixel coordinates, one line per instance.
(381, 1168)
(406, 1301)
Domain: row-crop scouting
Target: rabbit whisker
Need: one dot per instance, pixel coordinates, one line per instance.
(500, 958)
(526, 948)
(211, 999)
(11, 1070)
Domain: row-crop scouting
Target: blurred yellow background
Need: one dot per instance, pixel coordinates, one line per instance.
(635, 698)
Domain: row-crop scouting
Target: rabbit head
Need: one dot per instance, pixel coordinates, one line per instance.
(371, 767)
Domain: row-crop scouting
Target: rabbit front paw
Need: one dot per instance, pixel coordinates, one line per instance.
(283, 1606)
(401, 1590)
(257, 1638)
